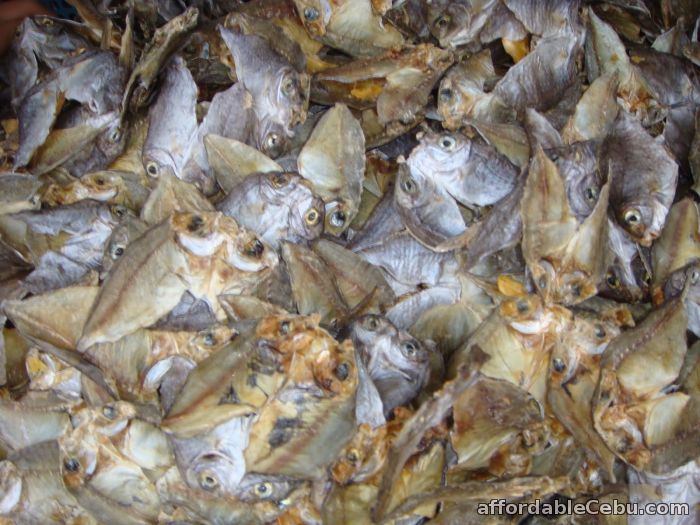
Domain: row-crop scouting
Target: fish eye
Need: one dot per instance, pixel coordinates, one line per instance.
(288, 86)
(311, 13)
(408, 185)
(410, 348)
(115, 135)
(371, 322)
(338, 219)
(116, 251)
(312, 217)
(522, 305)
(152, 168)
(254, 248)
(263, 489)
(590, 193)
(342, 371)
(99, 181)
(196, 222)
(280, 179)
(441, 23)
(272, 144)
(119, 210)
(109, 412)
(71, 465)
(284, 327)
(599, 331)
(542, 283)
(209, 339)
(352, 456)
(612, 280)
(558, 364)
(694, 276)
(208, 482)
(447, 142)
(632, 216)
(445, 94)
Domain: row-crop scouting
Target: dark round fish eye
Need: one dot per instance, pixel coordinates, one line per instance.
(196, 222)
(408, 185)
(109, 412)
(152, 169)
(311, 13)
(558, 364)
(338, 219)
(263, 489)
(71, 465)
(632, 216)
(342, 371)
(599, 331)
(612, 280)
(371, 322)
(254, 248)
(446, 94)
(312, 217)
(447, 142)
(208, 482)
(442, 22)
(410, 348)
(284, 327)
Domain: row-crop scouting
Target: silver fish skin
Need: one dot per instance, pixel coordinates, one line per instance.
(460, 23)
(87, 224)
(172, 122)
(280, 92)
(578, 165)
(39, 40)
(93, 79)
(214, 462)
(472, 172)
(643, 175)
(277, 206)
(397, 363)
(428, 211)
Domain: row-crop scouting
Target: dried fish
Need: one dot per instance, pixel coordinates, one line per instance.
(294, 262)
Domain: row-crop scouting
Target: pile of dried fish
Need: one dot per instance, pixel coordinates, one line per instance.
(302, 262)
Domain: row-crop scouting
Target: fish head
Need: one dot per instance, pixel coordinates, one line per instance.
(315, 15)
(157, 161)
(306, 209)
(450, 22)
(212, 338)
(259, 487)
(215, 473)
(363, 456)
(250, 254)
(79, 455)
(369, 328)
(440, 152)
(272, 137)
(578, 165)
(642, 220)
(102, 186)
(198, 233)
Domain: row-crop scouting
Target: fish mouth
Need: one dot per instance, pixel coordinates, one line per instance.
(201, 246)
